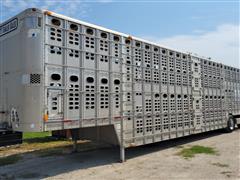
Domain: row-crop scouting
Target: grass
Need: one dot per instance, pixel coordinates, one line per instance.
(39, 137)
(56, 151)
(192, 151)
(32, 135)
(33, 142)
(11, 155)
(40, 145)
(10, 159)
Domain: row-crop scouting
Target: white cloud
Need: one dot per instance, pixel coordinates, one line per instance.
(222, 44)
(197, 17)
(73, 8)
(105, 1)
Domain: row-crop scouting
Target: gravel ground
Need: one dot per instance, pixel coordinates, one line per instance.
(155, 161)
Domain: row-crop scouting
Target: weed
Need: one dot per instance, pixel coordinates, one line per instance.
(220, 164)
(192, 151)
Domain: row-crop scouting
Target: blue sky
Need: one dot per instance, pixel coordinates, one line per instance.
(209, 28)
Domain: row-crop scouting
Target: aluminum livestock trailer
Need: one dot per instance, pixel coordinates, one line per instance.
(59, 73)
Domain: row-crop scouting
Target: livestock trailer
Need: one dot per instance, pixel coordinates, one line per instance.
(59, 73)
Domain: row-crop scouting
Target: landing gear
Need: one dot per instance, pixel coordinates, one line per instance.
(74, 145)
(75, 137)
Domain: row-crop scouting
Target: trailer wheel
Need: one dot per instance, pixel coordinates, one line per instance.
(230, 125)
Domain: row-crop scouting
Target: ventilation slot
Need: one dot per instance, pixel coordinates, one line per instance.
(55, 34)
(104, 45)
(56, 22)
(139, 124)
(73, 38)
(104, 90)
(74, 27)
(89, 42)
(35, 79)
(117, 91)
(90, 95)
(89, 31)
(74, 92)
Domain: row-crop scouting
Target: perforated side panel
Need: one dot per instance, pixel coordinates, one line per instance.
(148, 92)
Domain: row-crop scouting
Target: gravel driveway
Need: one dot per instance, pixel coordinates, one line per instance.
(156, 161)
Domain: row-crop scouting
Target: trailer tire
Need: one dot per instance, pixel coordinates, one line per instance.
(230, 125)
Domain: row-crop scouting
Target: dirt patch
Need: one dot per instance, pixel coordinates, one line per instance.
(220, 165)
(34, 146)
(29, 175)
(155, 161)
(7, 176)
(12, 159)
(41, 146)
(227, 173)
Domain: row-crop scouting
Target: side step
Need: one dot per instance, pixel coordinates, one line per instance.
(10, 138)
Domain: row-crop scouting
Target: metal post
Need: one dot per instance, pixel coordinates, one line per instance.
(122, 153)
(74, 145)
(75, 137)
(122, 90)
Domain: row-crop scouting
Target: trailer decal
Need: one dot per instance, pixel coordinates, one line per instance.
(9, 27)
